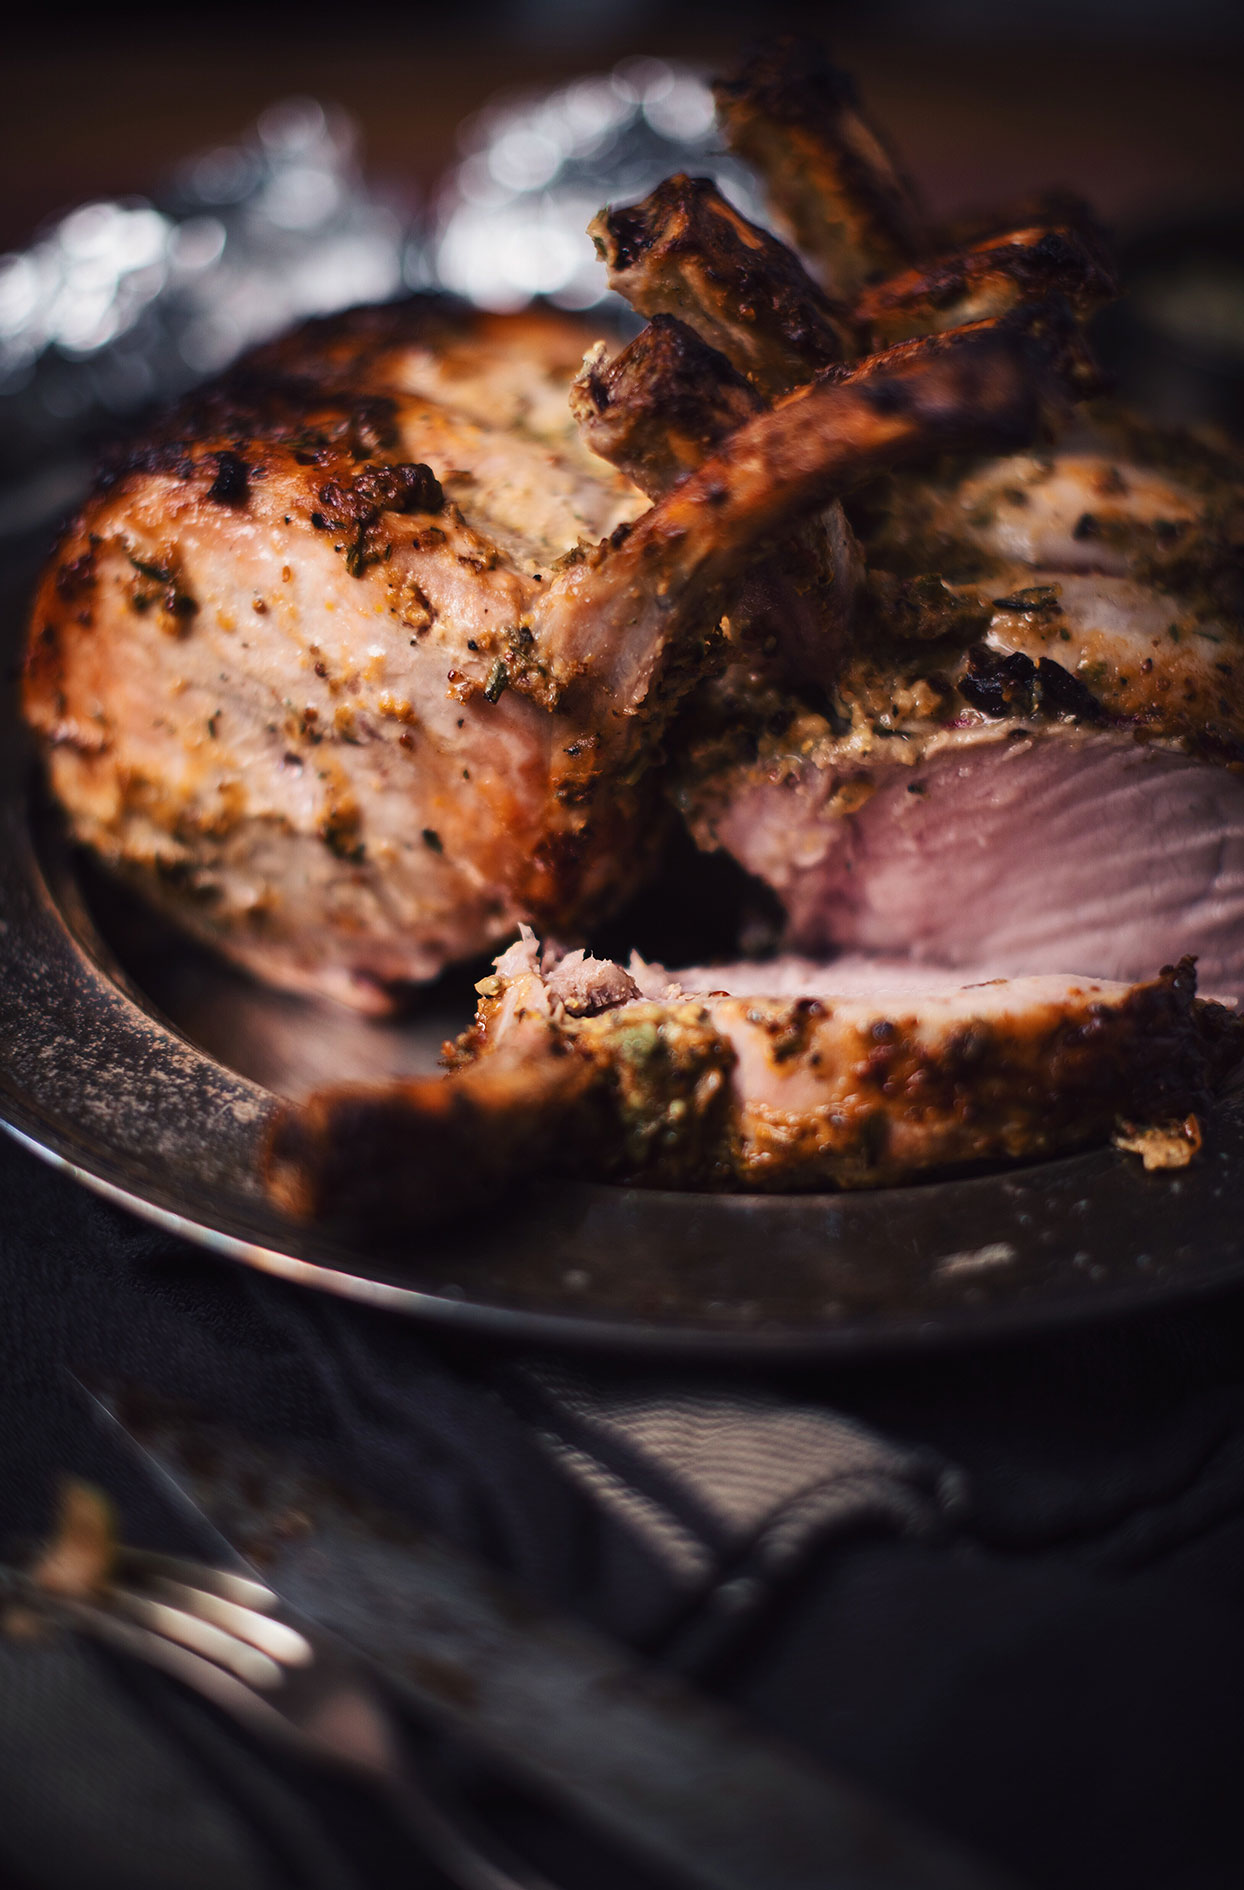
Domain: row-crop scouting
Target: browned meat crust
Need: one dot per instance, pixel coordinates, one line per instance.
(762, 1093)
(658, 410)
(832, 182)
(269, 658)
(992, 277)
(351, 1151)
(685, 251)
(661, 405)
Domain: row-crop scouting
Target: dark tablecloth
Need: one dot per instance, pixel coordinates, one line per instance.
(1003, 1587)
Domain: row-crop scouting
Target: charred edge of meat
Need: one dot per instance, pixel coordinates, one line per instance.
(431, 1149)
(316, 390)
(1020, 266)
(252, 408)
(1003, 684)
(1055, 208)
(686, 251)
(1047, 332)
(231, 485)
(661, 405)
(354, 504)
(829, 174)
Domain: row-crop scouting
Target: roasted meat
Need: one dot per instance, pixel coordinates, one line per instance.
(656, 411)
(987, 278)
(362, 657)
(684, 251)
(1028, 746)
(413, 629)
(1036, 757)
(853, 1076)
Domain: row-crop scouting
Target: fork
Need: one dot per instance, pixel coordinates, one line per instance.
(227, 1637)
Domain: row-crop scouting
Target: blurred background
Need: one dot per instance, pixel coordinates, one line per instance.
(1136, 101)
(301, 156)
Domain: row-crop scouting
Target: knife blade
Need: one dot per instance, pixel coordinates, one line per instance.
(545, 1700)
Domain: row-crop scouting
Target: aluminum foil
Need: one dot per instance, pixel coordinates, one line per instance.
(123, 303)
(510, 219)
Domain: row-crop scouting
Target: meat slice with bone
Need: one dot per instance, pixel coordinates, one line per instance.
(872, 1074)
(355, 679)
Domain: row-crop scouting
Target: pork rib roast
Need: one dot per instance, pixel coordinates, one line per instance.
(412, 629)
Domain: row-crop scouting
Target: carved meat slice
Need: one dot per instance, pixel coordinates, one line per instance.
(869, 1076)
(1073, 847)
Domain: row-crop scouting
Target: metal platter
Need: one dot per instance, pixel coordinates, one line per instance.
(149, 1071)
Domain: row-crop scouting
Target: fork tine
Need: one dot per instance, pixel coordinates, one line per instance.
(193, 1670)
(213, 1643)
(272, 1637)
(245, 1590)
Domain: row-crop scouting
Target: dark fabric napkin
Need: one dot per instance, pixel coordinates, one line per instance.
(1002, 1587)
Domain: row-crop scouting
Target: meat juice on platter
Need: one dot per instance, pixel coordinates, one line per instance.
(422, 627)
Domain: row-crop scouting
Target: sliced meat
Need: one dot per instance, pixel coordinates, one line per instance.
(430, 1148)
(1069, 847)
(899, 1078)
(1027, 763)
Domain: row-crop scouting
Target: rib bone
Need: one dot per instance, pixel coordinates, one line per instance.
(987, 279)
(660, 406)
(656, 412)
(685, 251)
(616, 624)
(832, 184)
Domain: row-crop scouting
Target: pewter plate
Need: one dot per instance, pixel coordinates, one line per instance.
(149, 1070)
